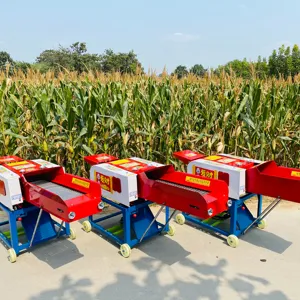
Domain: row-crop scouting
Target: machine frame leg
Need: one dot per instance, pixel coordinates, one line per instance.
(241, 219)
(114, 233)
(154, 219)
(10, 238)
(259, 205)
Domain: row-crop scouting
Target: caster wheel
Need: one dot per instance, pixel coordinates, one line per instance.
(125, 250)
(86, 225)
(72, 235)
(12, 256)
(262, 224)
(180, 219)
(171, 231)
(232, 241)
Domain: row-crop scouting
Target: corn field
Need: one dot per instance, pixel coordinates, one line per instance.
(64, 118)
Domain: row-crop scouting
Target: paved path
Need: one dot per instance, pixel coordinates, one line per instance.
(189, 266)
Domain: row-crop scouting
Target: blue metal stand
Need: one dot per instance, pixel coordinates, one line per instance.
(35, 233)
(241, 219)
(138, 223)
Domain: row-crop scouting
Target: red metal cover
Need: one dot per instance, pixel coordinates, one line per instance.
(81, 206)
(165, 186)
(99, 159)
(132, 165)
(230, 161)
(269, 179)
(9, 159)
(187, 156)
(23, 166)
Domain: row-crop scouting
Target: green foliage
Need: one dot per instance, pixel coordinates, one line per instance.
(150, 118)
(181, 71)
(285, 62)
(198, 70)
(262, 68)
(5, 58)
(120, 62)
(240, 68)
(22, 66)
(295, 60)
(6, 62)
(74, 58)
(282, 62)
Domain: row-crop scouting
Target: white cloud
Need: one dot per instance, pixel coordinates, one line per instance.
(183, 37)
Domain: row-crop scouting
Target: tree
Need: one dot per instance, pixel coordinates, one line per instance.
(181, 71)
(56, 60)
(240, 67)
(283, 62)
(262, 68)
(5, 59)
(80, 59)
(198, 70)
(295, 60)
(120, 62)
(22, 65)
(74, 58)
(273, 63)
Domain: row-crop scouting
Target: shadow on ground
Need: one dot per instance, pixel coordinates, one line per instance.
(203, 282)
(156, 278)
(266, 240)
(164, 249)
(255, 236)
(160, 247)
(57, 253)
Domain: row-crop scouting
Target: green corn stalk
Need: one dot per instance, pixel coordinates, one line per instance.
(149, 117)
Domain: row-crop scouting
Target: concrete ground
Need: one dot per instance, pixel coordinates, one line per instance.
(190, 265)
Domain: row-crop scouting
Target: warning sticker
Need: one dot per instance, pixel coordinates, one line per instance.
(295, 174)
(226, 160)
(197, 181)
(120, 162)
(17, 197)
(4, 160)
(205, 172)
(80, 182)
(130, 165)
(213, 157)
(100, 158)
(26, 166)
(18, 163)
(191, 154)
(105, 181)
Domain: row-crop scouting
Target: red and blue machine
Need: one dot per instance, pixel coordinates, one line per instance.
(245, 178)
(33, 190)
(131, 185)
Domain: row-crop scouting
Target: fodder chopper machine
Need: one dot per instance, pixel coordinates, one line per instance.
(33, 190)
(132, 185)
(245, 178)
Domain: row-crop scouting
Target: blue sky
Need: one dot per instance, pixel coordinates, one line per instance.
(162, 33)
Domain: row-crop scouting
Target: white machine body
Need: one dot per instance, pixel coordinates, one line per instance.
(118, 179)
(10, 188)
(234, 166)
